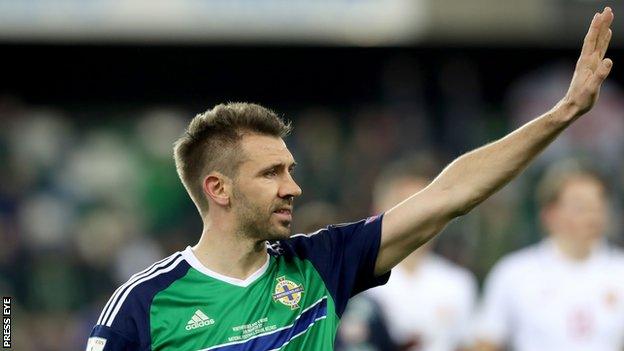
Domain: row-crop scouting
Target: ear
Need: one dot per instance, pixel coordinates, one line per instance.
(216, 186)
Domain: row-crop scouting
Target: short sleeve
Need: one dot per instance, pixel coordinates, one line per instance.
(494, 317)
(104, 338)
(120, 326)
(124, 323)
(344, 255)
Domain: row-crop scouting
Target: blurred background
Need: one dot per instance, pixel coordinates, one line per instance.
(93, 94)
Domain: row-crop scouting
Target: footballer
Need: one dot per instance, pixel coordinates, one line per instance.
(248, 284)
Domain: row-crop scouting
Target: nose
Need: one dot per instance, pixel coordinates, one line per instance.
(290, 188)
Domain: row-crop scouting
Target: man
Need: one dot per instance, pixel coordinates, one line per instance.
(567, 292)
(428, 301)
(227, 292)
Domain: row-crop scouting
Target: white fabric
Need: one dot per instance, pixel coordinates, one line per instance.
(433, 303)
(190, 257)
(536, 300)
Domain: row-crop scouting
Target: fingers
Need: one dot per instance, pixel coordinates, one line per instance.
(601, 73)
(605, 32)
(589, 43)
(598, 35)
(604, 43)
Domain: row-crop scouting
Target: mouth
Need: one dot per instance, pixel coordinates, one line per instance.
(284, 214)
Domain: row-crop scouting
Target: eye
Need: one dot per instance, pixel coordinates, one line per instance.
(270, 173)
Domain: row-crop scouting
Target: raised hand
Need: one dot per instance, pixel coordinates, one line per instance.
(591, 68)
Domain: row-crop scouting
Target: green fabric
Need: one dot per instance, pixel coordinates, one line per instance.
(239, 313)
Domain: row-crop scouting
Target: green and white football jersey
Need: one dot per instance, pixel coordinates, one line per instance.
(294, 302)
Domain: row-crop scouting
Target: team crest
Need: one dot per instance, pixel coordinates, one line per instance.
(288, 292)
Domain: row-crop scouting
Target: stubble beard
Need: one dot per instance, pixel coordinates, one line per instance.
(254, 222)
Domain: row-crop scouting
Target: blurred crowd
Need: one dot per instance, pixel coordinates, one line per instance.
(90, 196)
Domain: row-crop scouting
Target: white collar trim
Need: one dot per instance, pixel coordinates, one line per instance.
(190, 257)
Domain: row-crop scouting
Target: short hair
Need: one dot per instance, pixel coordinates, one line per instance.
(556, 177)
(212, 143)
(419, 165)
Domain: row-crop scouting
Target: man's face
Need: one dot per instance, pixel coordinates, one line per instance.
(580, 214)
(264, 189)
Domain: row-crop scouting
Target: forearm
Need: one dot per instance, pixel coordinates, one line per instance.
(476, 175)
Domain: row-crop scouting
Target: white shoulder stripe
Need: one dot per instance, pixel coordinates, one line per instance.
(308, 234)
(147, 271)
(110, 319)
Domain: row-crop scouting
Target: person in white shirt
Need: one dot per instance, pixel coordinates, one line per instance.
(428, 301)
(567, 292)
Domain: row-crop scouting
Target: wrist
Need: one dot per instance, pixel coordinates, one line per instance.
(566, 111)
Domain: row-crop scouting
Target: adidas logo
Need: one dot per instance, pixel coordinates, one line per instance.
(199, 320)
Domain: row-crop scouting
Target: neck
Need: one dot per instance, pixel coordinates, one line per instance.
(223, 250)
(571, 250)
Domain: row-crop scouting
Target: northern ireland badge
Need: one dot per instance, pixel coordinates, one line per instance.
(288, 292)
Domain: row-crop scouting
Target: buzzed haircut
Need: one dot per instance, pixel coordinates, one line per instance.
(560, 173)
(212, 143)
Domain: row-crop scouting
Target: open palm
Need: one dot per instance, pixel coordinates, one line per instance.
(592, 68)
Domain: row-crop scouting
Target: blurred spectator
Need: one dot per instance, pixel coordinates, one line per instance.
(363, 327)
(315, 215)
(374, 140)
(318, 142)
(101, 170)
(428, 300)
(37, 141)
(567, 292)
(162, 196)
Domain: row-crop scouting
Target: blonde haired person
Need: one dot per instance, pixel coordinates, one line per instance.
(566, 292)
(428, 302)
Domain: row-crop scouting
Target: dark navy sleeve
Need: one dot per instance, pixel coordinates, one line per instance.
(344, 255)
(128, 330)
(124, 322)
(104, 338)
